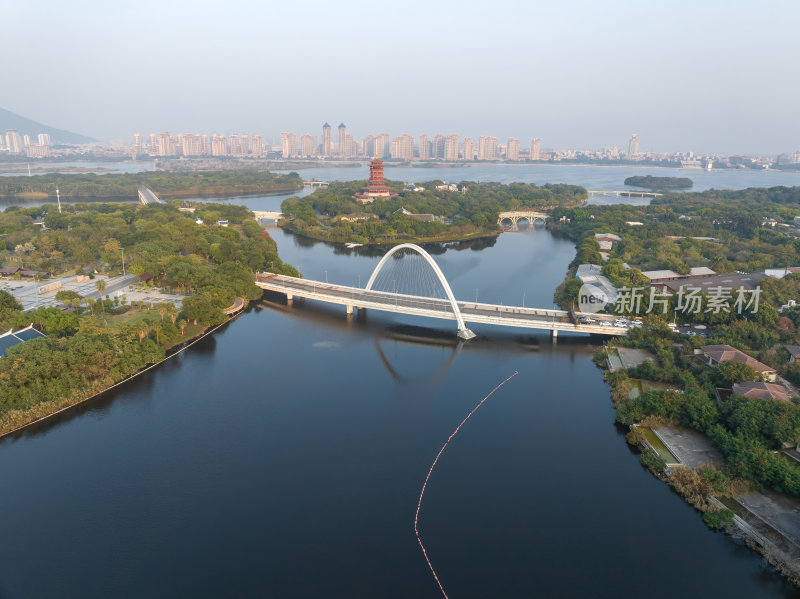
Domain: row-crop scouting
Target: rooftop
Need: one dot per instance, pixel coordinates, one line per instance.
(756, 390)
(725, 353)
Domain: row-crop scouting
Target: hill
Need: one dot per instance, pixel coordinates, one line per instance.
(11, 120)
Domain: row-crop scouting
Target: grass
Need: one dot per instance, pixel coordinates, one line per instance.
(658, 446)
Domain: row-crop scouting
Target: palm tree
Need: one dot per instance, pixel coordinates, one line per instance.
(162, 309)
(172, 312)
(182, 325)
(143, 331)
(101, 285)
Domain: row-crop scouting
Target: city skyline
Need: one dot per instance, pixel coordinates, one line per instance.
(574, 74)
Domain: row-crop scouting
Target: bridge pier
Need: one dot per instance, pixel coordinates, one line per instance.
(554, 335)
(289, 299)
(349, 308)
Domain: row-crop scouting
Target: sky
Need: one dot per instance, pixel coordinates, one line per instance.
(702, 75)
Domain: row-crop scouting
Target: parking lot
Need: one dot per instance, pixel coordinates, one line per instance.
(26, 291)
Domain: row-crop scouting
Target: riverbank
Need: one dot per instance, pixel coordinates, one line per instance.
(696, 471)
(16, 421)
(437, 238)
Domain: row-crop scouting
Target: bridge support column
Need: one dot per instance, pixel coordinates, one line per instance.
(289, 299)
(554, 335)
(349, 308)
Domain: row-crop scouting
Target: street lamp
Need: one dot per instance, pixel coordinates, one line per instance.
(326, 276)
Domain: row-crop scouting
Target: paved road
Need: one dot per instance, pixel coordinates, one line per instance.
(431, 307)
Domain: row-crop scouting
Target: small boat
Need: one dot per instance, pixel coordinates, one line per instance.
(352, 245)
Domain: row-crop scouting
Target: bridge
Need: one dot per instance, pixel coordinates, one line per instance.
(314, 183)
(514, 216)
(146, 196)
(624, 192)
(432, 307)
(266, 215)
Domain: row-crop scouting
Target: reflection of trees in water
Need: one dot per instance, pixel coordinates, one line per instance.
(377, 251)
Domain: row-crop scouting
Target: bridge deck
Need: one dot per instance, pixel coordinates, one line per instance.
(494, 314)
(146, 196)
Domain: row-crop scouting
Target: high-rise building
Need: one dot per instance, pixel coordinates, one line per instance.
(26, 140)
(306, 145)
(633, 146)
(163, 144)
(438, 146)
(382, 145)
(487, 148)
(468, 150)
(44, 139)
(536, 149)
(326, 139)
(235, 145)
(350, 145)
(342, 140)
(402, 147)
(38, 150)
(451, 147)
(219, 145)
(424, 147)
(14, 141)
(288, 144)
(512, 150)
(137, 144)
(257, 146)
(244, 141)
(368, 146)
(152, 145)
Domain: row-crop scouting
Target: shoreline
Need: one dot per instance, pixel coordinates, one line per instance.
(395, 241)
(738, 528)
(186, 345)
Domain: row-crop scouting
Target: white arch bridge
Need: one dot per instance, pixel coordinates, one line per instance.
(432, 307)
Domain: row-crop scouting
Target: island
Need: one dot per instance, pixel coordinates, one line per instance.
(430, 211)
(659, 183)
(120, 186)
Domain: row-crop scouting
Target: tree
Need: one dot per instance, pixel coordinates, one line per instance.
(731, 372)
(785, 328)
(69, 297)
(8, 305)
(101, 285)
(182, 325)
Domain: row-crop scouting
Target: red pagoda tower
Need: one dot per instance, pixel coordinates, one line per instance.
(376, 187)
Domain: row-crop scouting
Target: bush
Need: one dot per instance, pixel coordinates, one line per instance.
(716, 519)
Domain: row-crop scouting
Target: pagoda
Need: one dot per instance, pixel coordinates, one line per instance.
(376, 186)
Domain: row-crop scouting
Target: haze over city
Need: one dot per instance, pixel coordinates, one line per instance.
(687, 76)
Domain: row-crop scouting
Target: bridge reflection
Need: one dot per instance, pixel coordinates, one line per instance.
(384, 331)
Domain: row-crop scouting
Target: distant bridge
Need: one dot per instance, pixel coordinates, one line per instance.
(315, 183)
(514, 216)
(432, 307)
(146, 196)
(624, 192)
(266, 215)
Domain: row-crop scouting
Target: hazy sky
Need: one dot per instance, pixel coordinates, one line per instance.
(694, 75)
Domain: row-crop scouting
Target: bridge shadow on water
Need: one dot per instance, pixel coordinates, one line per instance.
(384, 329)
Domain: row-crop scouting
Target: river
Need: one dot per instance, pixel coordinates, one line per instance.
(283, 457)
